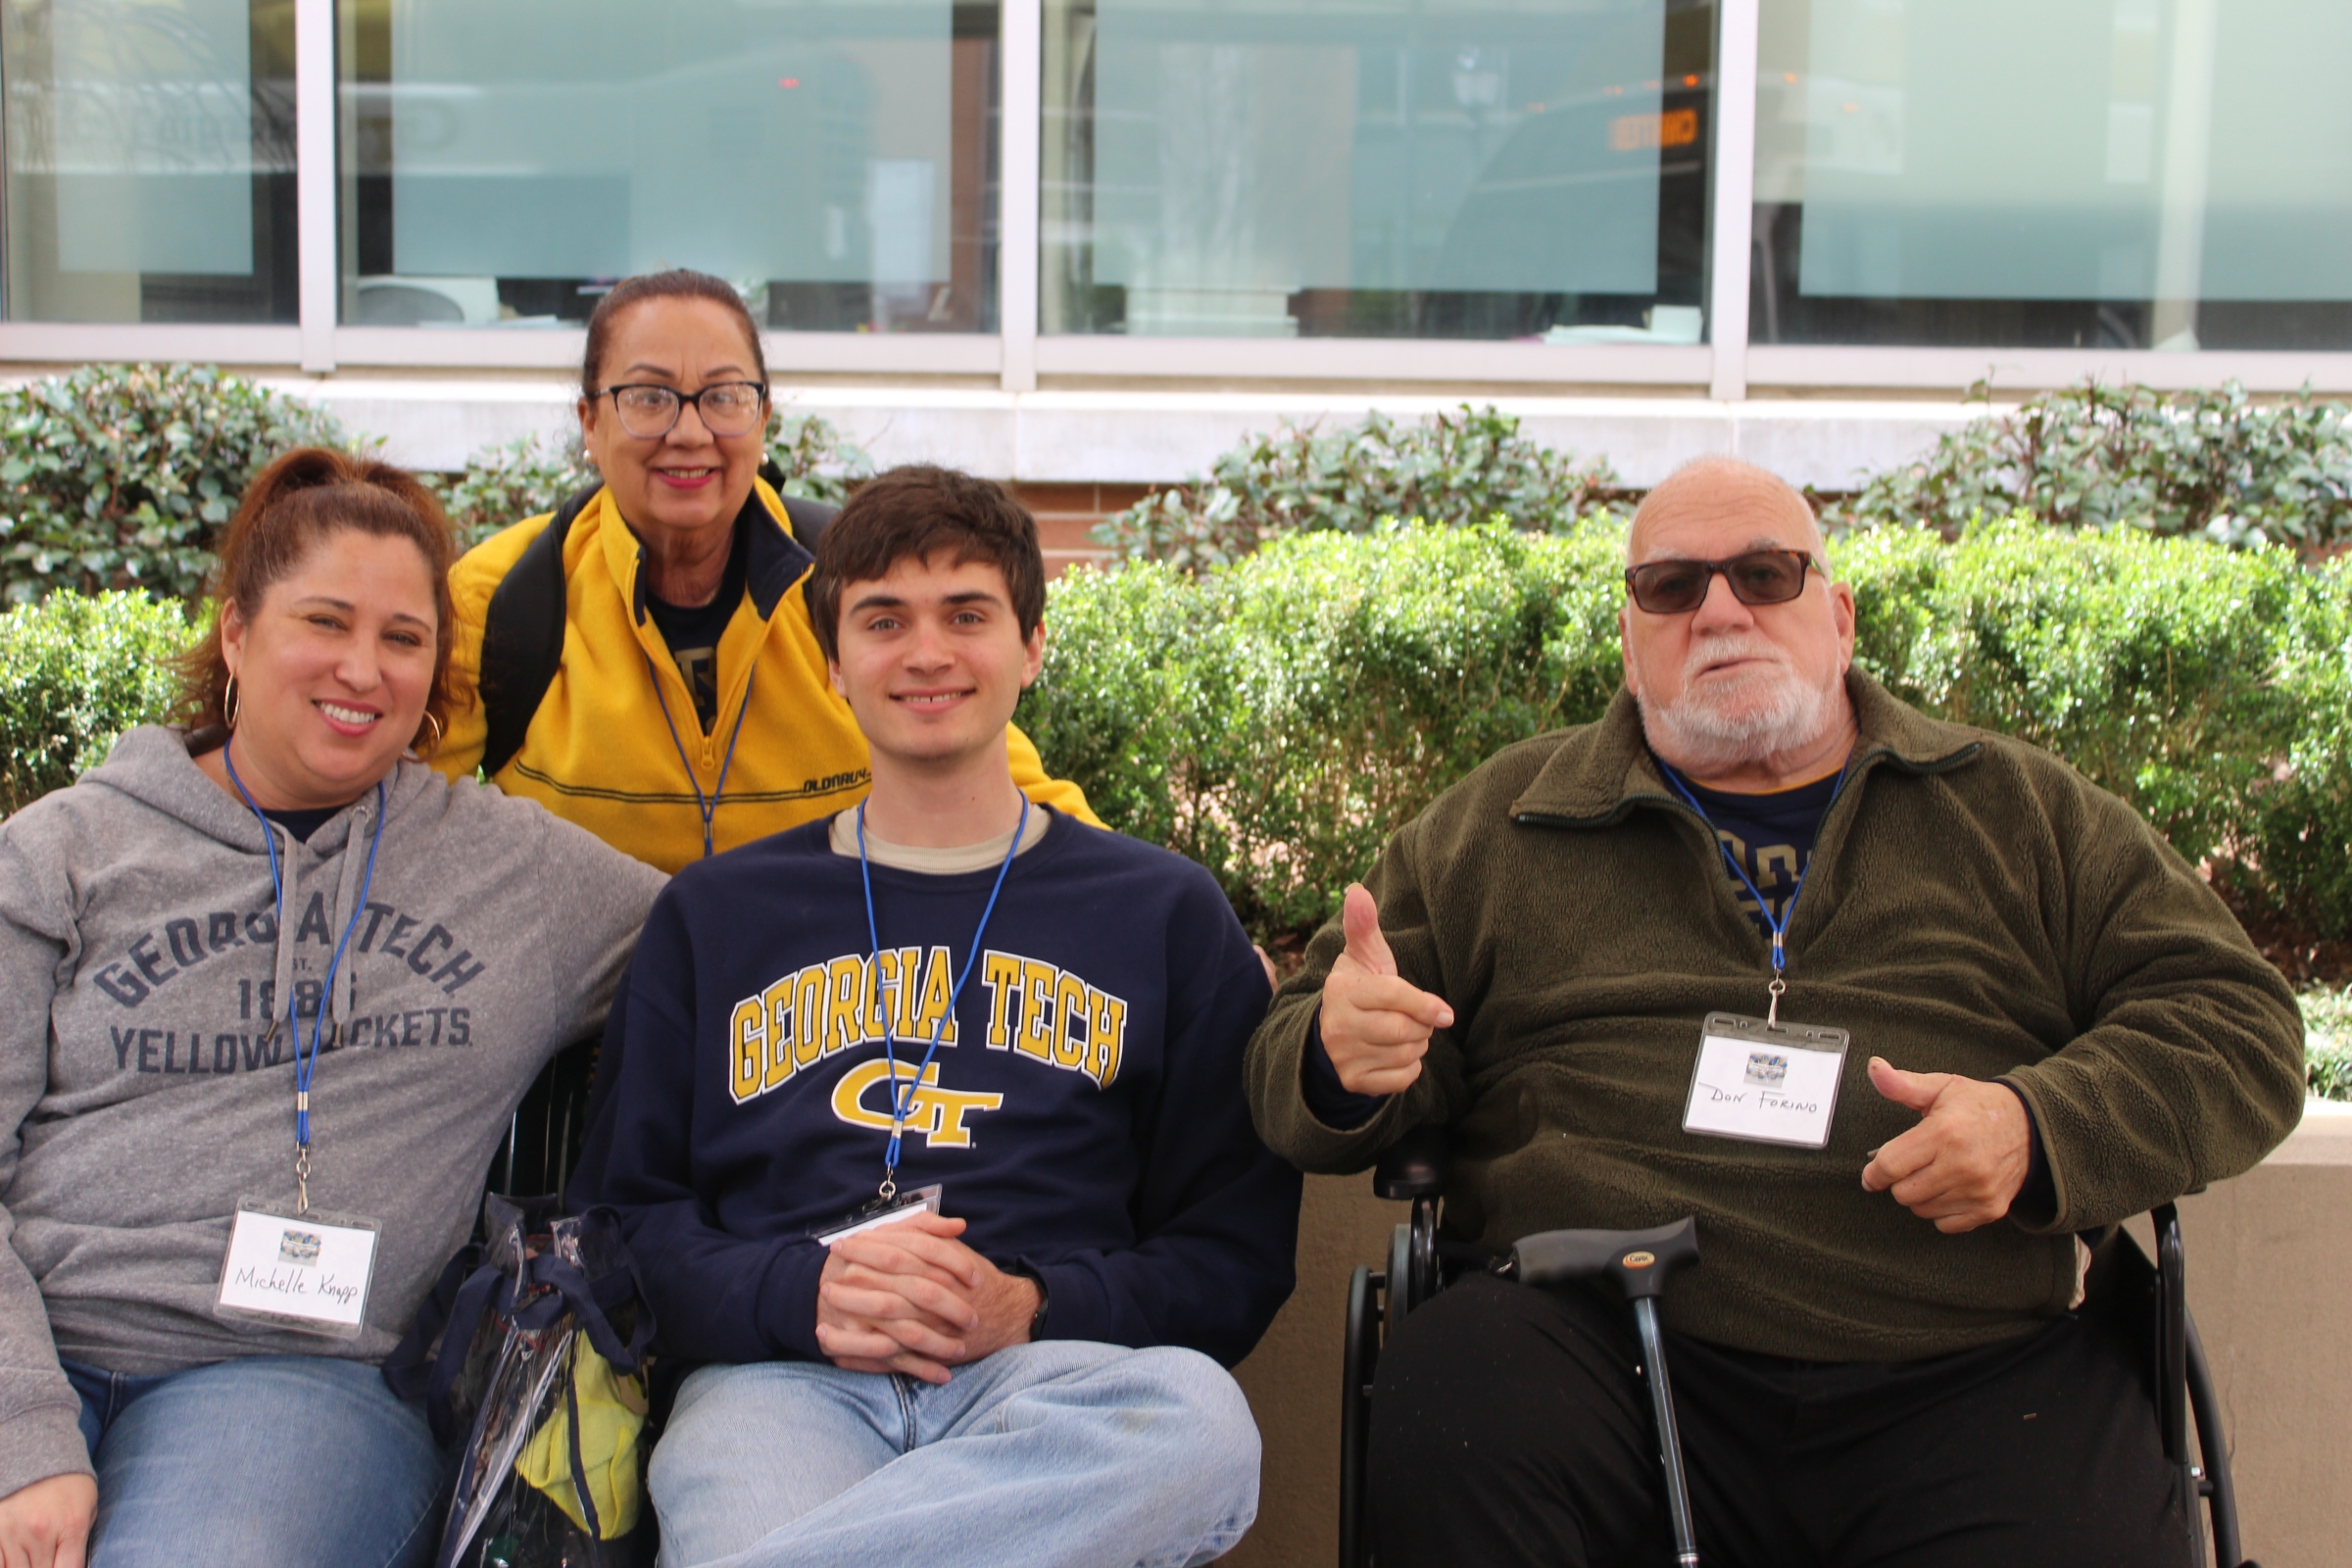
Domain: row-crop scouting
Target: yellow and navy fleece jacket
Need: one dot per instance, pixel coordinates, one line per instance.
(599, 752)
(1084, 1113)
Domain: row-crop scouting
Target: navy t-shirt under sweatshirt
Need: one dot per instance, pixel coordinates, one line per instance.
(1086, 1116)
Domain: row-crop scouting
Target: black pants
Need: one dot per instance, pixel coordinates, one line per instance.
(1508, 1427)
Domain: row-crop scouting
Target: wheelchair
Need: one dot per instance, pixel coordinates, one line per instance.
(1416, 1169)
(550, 1124)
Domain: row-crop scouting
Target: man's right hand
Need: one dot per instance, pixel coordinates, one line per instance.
(899, 1299)
(47, 1524)
(1375, 1026)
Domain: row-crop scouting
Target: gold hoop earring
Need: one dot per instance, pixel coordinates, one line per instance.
(429, 718)
(228, 702)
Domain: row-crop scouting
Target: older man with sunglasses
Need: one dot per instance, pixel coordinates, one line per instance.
(1909, 1015)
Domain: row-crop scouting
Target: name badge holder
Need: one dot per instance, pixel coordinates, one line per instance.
(288, 1268)
(881, 1211)
(1770, 1083)
(1764, 1080)
(291, 1266)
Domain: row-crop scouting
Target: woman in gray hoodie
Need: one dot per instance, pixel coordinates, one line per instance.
(273, 989)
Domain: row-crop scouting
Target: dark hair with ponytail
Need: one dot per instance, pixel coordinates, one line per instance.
(678, 284)
(290, 507)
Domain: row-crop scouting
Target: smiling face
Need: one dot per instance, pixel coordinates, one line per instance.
(333, 670)
(689, 480)
(1730, 687)
(932, 660)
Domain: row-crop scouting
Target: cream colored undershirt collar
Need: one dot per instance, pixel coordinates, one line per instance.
(981, 857)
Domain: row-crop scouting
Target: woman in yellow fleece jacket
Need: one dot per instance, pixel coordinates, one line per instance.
(691, 710)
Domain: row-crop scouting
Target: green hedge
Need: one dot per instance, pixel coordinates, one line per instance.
(2215, 465)
(2304, 831)
(122, 476)
(2149, 664)
(2327, 1043)
(1275, 718)
(2212, 464)
(75, 673)
(1469, 466)
(117, 476)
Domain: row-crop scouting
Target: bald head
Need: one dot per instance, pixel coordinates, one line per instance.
(1739, 499)
(1737, 696)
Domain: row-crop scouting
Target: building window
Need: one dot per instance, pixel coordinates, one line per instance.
(1406, 169)
(2054, 174)
(150, 148)
(836, 162)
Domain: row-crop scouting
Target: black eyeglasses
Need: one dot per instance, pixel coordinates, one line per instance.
(727, 408)
(1758, 577)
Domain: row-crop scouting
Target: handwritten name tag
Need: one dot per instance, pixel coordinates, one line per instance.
(308, 1272)
(1765, 1083)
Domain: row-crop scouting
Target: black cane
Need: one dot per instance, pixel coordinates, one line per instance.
(1641, 1263)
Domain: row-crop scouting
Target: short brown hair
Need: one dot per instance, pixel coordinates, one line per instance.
(296, 501)
(920, 511)
(678, 284)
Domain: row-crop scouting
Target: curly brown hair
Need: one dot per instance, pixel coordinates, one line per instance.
(293, 504)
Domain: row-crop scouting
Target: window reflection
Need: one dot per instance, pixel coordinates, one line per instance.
(1452, 168)
(831, 160)
(2097, 173)
(150, 160)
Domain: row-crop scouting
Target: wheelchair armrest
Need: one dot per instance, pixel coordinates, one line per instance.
(543, 1140)
(1417, 1165)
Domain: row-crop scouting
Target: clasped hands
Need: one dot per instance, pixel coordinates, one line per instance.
(910, 1298)
(1961, 1167)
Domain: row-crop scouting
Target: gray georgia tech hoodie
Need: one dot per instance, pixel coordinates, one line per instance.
(142, 1093)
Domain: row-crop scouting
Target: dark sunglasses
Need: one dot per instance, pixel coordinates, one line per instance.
(1758, 577)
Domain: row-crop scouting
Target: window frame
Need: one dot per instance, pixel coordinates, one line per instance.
(1729, 368)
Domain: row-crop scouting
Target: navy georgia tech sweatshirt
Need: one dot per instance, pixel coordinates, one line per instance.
(1085, 1112)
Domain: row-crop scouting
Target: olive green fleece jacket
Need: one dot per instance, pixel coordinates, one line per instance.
(1973, 906)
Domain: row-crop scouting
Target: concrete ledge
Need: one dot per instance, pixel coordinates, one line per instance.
(2267, 1280)
(1156, 437)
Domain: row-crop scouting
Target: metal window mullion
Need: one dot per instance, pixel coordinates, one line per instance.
(314, 178)
(1021, 51)
(1735, 166)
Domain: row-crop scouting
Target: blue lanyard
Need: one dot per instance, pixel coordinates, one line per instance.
(1779, 928)
(902, 1095)
(707, 807)
(306, 1067)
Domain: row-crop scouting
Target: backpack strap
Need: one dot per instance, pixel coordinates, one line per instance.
(522, 636)
(809, 518)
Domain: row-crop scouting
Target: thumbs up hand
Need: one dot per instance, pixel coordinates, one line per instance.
(1375, 1026)
(1965, 1162)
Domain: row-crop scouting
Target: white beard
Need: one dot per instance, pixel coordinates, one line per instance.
(1744, 720)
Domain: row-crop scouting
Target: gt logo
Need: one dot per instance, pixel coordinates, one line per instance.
(935, 1112)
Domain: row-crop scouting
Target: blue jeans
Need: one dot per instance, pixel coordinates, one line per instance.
(269, 1461)
(1062, 1452)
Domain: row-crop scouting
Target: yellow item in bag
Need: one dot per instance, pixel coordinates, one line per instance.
(611, 1416)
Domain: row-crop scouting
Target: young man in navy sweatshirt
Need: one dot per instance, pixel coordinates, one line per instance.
(946, 988)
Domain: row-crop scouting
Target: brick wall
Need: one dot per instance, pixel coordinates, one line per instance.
(1066, 512)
